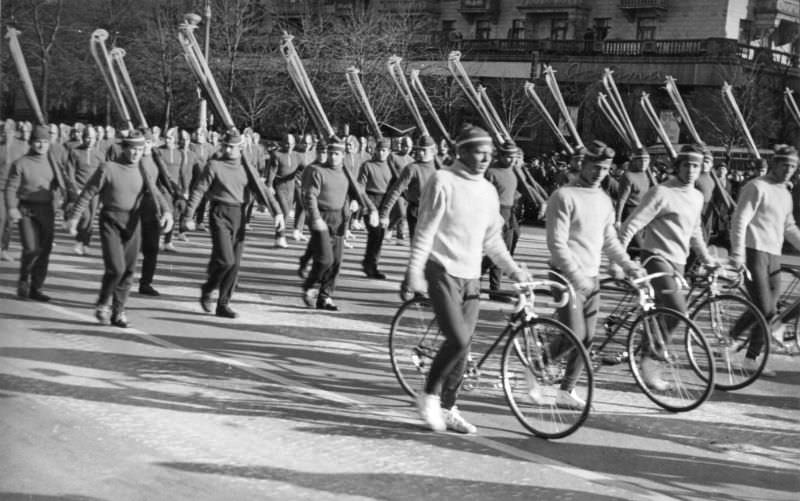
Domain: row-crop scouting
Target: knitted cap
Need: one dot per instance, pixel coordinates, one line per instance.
(639, 154)
(691, 152)
(383, 143)
(785, 152)
(707, 155)
(322, 146)
(473, 135)
(509, 148)
(425, 142)
(335, 144)
(232, 138)
(134, 138)
(598, 151)
(40, 133)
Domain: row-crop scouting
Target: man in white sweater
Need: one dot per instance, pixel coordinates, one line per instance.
(672, 214)
(459, 219)
(580, 225)
(762, 219)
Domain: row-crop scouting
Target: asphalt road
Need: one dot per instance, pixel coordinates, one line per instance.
(286, 402)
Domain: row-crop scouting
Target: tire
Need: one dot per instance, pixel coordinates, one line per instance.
(414, 339)
(716, 318)
(536, 354)
(686, 369)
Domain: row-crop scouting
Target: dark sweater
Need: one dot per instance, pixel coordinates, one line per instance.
(505, 182)
(375, 177)
(324, 188)
(222, 181)
(30, 179)
(121, 187)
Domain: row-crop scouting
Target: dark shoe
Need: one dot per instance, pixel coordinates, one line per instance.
(201, 227)
(23, 290)
(206, 302)
(374, 274)
(309, 295)
(37, 295)
(148, 290)
(225, 311)
(327, 304)
(119, 319)
(103, 314)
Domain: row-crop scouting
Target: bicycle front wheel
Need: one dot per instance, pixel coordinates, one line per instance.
(670, 360)
(542, 362)
(734, 329)
(414, 340)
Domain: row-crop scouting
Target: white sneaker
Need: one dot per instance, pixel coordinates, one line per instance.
(79, 249)
(297, 235)
(456, 422)
(348, 244)
(170, 247)
(651, 374)
(182, 237)
(6, 256)
(750, 365)
(430, 410)
(534, 389)
(281, 242)
(569, 400)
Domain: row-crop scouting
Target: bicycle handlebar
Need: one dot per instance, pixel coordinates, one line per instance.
(526, 289)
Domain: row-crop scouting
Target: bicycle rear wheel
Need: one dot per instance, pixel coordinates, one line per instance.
(679, 376)
(729, 324)
(534, 368)
(414, 340)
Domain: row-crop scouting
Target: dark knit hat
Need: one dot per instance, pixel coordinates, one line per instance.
(707, 153)
(640, 153)
(40, 133)
(473, 135)
(322, 146)
(383, 143)
(508, 148)
(598, 151)
(232, 137)
(785, 152)
(147, 133)
(335, 144)
(134, 138)
(691, 152)
(425, 141)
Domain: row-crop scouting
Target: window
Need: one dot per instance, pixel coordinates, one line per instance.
(517, 29)
(482, 30)
(745, 31)
(558, 28)
(601, 27)
(646, 28)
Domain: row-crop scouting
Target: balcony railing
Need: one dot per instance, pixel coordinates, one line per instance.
(504, 49)
(642, 4)
(410, 6)
(551, 5)
(478, 6)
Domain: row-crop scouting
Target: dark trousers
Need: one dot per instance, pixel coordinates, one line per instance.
(86, 221)
(120, 235)
(456, 305)
(637, 242)
(510, 237)
(299, 209)
(375, 234)
(397, 216)
(5, 227)
(180, 206)
(284, 193)
(581, 317)
(227, 243)
(412, 215)
(36, 229)
(326, 248)
(151, 236)
(668, 293)
(764, 288)
(200, 213)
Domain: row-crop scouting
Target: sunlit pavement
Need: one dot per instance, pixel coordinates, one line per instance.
(287, 402)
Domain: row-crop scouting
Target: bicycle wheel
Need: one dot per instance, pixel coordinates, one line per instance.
(678, 371)
(534, 369)
(414, 339)
(729, 324)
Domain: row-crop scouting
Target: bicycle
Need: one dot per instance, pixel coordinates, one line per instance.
(673, 341)
(729, 322)
(533, 362)
(787, 338)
